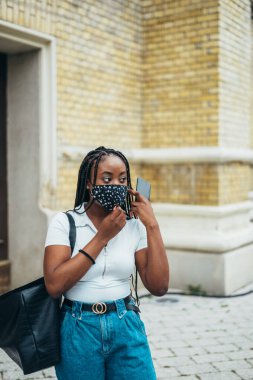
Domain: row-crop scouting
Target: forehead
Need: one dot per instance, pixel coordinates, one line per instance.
(111, 164)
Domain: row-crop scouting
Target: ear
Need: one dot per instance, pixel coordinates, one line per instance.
(88, 185)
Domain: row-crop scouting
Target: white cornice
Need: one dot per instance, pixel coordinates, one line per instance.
(203, 154)
(200, 242)
(175, 209)
(213, 229)
(24, 35)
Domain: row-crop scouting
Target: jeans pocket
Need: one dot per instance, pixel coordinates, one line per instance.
(139, 322)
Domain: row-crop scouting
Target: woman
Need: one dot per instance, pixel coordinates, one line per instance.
(102, 335)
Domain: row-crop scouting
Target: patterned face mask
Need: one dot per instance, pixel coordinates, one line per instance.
(110, 196)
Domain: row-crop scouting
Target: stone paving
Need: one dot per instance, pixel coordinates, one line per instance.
(191, 338)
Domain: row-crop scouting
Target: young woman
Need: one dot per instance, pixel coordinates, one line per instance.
(102, 335)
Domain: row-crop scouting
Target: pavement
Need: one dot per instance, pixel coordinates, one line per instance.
(191, 338)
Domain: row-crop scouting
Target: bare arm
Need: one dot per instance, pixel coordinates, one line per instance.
(152, 263)
(61, 271)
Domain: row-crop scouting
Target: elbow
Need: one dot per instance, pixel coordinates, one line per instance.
(160, 292)
(52, 291)
(161, 289)
(55, 295)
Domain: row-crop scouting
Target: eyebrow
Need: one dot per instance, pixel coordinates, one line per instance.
(112, 173)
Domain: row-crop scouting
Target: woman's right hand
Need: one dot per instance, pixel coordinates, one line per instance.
(112, 224)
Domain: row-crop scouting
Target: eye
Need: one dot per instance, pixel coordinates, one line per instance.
(123, 179)
(107, 179)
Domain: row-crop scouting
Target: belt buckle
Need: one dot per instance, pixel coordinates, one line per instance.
(99, 308)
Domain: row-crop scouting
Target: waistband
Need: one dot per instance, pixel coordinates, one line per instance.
(103, 307)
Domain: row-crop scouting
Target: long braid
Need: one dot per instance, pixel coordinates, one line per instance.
(83, 195)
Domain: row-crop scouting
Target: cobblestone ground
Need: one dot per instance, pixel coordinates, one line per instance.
(191, 338)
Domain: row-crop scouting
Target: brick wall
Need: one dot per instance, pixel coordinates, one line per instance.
(183, 183)
(234, 182)
(180, 105)
(235, 111)
(98, 66)
(151, 74)
(235, 74)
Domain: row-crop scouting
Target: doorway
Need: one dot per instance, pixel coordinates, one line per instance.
(4, 264)
(3, 160)
(27, 150)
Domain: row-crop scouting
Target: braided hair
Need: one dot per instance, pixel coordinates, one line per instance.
(83, 195)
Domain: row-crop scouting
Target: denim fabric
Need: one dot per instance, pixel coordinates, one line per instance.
(110, 346)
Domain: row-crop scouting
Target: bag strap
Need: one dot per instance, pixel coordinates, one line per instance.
(72, 231)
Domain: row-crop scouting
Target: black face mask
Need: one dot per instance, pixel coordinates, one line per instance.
(110, 196)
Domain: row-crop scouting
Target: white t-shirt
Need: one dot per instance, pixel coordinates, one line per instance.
(109, 278)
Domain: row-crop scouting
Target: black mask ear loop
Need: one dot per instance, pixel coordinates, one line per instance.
(127, 204)
(131, 199)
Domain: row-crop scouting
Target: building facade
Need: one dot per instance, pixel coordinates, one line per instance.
(167, 82)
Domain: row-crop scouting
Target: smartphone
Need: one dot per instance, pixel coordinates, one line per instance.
(143, 187)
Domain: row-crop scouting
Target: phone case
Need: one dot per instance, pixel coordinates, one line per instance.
(143, 187)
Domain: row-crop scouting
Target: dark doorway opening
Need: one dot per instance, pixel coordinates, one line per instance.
(3, 159)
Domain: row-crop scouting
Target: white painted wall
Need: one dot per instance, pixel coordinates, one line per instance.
(26, 223)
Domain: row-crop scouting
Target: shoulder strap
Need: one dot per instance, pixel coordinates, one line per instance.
(72, 231)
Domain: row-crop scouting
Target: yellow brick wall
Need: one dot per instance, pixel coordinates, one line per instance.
(235, 181)
(235, 110)
(235, 69)
(199, 184)
(151, 73)
(98, 66)
(196, 184)
(183, 183)
(67, 181)
(98, 59)
(180, 73)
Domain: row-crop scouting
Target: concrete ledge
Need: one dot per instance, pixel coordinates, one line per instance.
(212, 229)
(215, 244)
(216, 274)
(210, 246)
(185, 209)
(185, 155)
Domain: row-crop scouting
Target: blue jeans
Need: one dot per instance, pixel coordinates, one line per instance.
(110, 346)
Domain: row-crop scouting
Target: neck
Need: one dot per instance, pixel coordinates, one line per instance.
(97, 211)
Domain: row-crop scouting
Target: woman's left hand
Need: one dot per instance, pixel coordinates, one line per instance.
(142, 208)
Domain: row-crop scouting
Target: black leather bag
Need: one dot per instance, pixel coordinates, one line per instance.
(30, 322)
